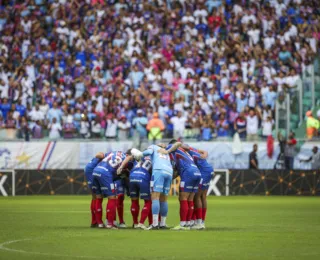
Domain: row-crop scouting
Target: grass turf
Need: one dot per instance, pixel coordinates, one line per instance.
(57, 227)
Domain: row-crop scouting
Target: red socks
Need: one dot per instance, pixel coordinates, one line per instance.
(194, 216)
(145, 211)
(111, 210)
(190, 210)
(93, 212)
(204, 212)
(135, 207)
(120, 208)
(98, 210)
(183, 210)
(199, 213)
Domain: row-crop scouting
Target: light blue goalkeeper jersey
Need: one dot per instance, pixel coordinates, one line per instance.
(159, 161)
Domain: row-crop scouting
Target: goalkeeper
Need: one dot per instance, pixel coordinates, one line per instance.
(160, 182)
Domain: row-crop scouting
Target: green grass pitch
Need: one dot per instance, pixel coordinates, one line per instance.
(57, 227)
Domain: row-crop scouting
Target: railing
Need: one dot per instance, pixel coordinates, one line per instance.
(291, 109)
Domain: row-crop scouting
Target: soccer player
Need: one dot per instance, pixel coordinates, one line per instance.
(160, 183)
(206, 170)
(139, 184)
(189, 184)
(103, 186)
(88, 170)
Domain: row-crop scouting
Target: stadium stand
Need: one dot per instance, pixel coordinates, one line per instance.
(83, 69)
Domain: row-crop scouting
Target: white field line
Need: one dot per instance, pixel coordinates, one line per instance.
(3, 247)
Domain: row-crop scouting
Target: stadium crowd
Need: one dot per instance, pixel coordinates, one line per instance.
(199, 69)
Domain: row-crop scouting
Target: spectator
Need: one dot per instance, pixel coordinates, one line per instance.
(242, 102)
(37, 130)
(139, 123)
(5, 107)
(253, 160)
(240, 126)
(314, 159)
(312, 125)
(155, 127)
(252, 123)
(267, 126)
(68, 128)
(11, 123)
(36, 114)
(84, 127)
(54, 112)
(111, 128)
(4, 89)
(222, 126)
(290, 151)
(206, 132)
(24, 128)
(96, 128)
(178, 122)
(123, 128)
(270, 97)
(54, 129)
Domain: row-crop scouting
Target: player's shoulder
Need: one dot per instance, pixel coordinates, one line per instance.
(152, 147)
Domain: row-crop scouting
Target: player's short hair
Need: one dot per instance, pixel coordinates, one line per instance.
(128, 152)
(173, 141)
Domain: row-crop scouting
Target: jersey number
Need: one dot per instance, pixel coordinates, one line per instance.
(164, 156)
(145, 165)
(113, 161)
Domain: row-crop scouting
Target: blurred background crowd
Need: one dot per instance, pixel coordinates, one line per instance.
(119, 69)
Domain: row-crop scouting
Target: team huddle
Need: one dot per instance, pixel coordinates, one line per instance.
(148, 175)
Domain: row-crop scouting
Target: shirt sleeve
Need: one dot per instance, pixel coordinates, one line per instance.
(149, 151)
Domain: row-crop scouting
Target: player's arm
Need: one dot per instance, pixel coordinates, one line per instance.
(203, 154)
(148, 152)
(173, 148)
(100, 155)
(124, 164)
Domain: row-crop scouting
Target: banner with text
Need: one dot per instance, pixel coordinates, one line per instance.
(75, 155)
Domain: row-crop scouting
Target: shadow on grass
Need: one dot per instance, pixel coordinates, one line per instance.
(208, 229)
(223, 229)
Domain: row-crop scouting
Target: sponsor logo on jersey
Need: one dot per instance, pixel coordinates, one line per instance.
(135, 180)
(139, 172)
(104, 168)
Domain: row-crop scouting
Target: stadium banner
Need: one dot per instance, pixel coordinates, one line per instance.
(242, 182)
(39, 155)
(75, 155)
